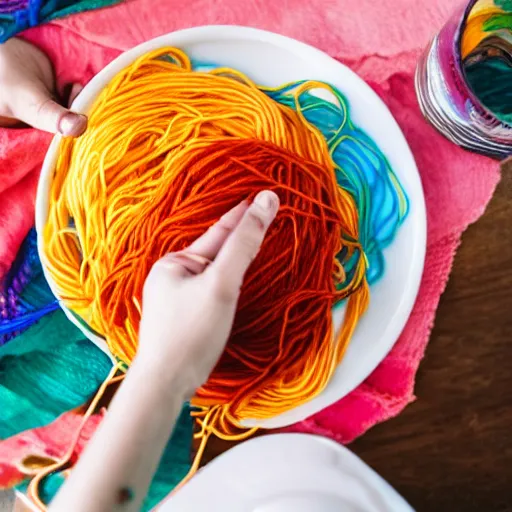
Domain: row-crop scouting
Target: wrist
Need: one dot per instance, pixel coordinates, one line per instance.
(169, 380)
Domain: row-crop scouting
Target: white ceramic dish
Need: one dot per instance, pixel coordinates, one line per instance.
(270, 59)
(287, 473)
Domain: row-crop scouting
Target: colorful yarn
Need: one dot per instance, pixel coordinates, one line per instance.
(10, 6)
(42, 374)
(31, 451)
(167, 152)
(361, 169)
(486, 48)
(48, 369)
(24, 296)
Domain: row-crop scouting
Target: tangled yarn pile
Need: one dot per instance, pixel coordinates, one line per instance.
(167, 152)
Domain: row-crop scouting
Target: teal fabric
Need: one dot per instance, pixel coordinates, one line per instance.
(506, 5)
(53, 9)
(47, 370)
(25, 297)
(51, 368)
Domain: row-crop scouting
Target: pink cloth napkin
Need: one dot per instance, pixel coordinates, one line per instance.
(379, 40)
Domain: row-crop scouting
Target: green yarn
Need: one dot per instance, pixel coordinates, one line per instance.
(498, 22)
(506, 5)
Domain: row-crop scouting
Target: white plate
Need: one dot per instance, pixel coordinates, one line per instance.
(287, 473)
(270, 59)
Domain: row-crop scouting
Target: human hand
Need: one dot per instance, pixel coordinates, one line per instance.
(27, 87)
(189, 304)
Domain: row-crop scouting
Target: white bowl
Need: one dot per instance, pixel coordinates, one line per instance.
(270, 59)
(287, 473)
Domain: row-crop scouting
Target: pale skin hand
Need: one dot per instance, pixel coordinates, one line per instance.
(27, 89)
(188, 311)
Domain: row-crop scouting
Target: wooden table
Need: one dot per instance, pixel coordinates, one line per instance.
(451, 450)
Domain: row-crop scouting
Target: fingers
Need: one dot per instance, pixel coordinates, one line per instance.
(194, 259)
(26, 85)
(233, 241)
(35, 107)
(182, 264)
(209, 244)
(244, 242)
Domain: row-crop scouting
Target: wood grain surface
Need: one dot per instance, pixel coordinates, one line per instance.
(451, 450)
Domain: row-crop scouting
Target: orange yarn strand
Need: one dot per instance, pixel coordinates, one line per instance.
(168, 151)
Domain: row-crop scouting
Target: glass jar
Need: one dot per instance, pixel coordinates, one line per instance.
(448, 102)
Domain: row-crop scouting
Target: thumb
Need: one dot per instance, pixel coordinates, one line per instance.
(37, 108)
(244, 242)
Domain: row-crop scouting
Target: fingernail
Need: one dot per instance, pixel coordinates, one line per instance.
(267, 200)
(72, 124)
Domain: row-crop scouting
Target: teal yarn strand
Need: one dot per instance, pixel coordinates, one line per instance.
(361, 169)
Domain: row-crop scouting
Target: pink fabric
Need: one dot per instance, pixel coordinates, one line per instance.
(50, 442)
(379, 40)
(18, 181)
